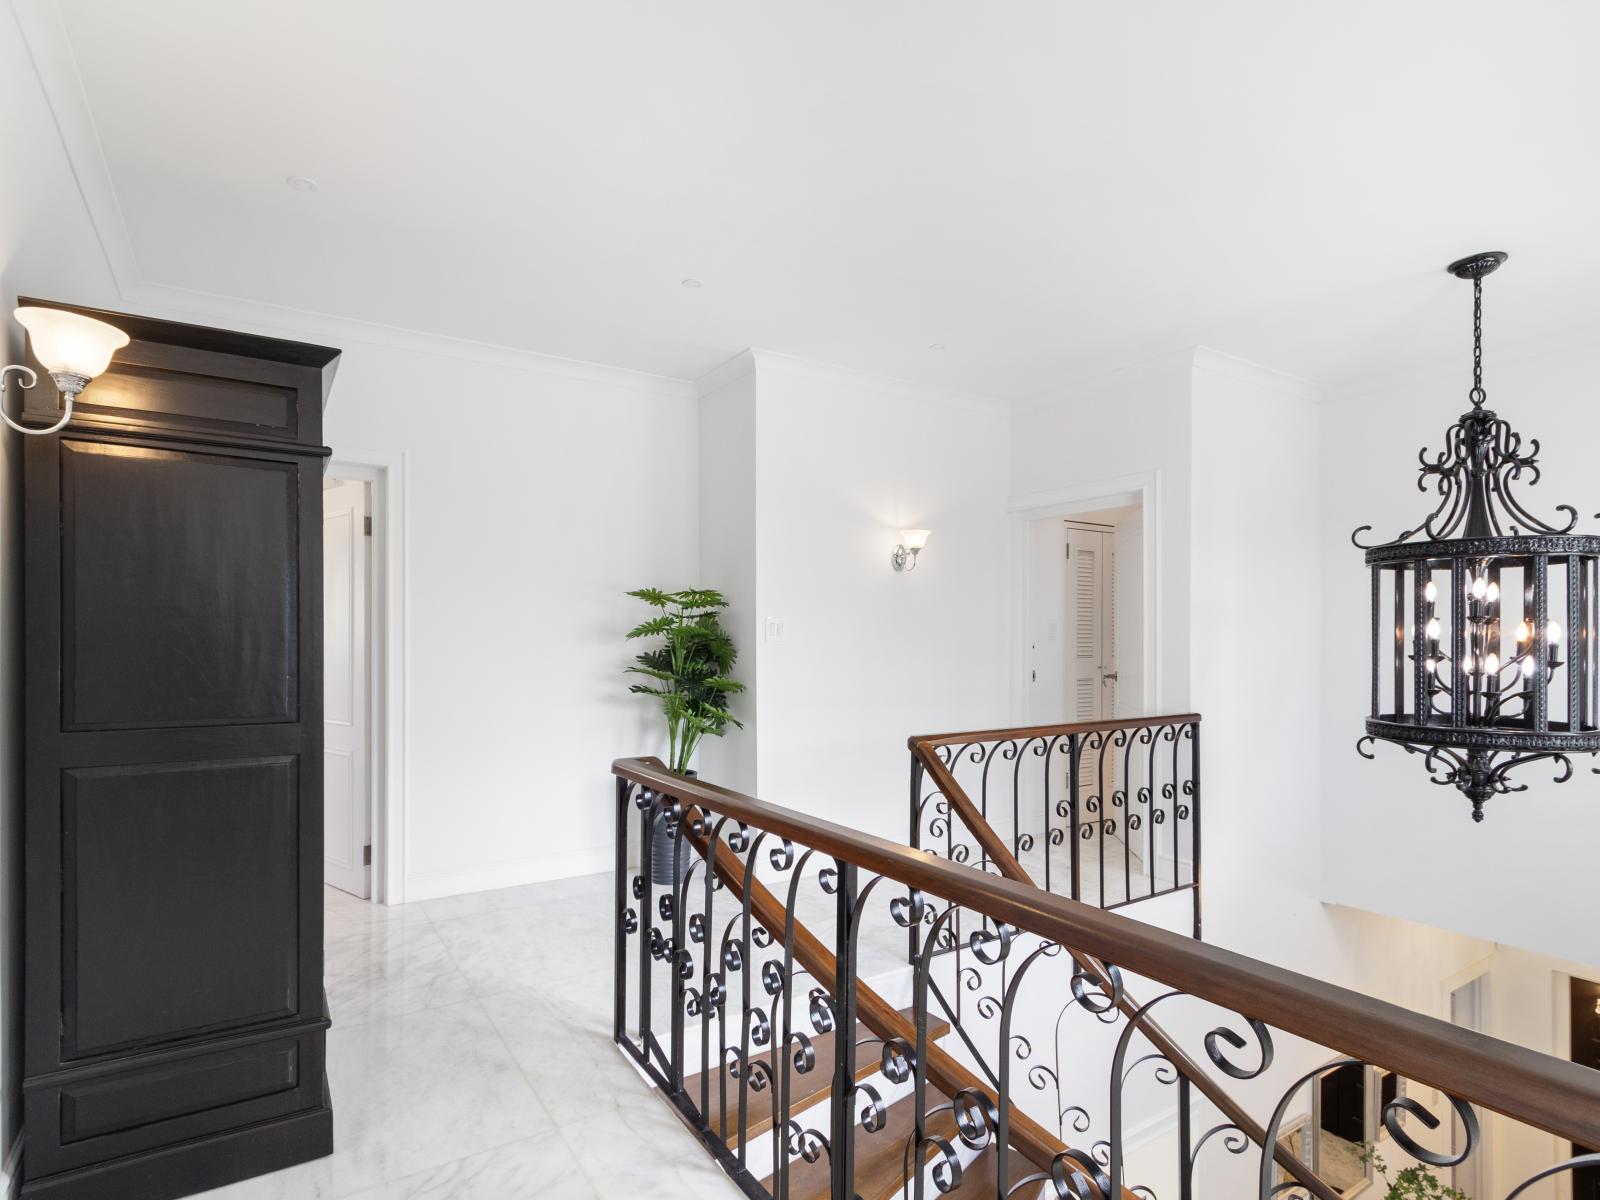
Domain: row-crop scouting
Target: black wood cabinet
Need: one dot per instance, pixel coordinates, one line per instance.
(174, 1019)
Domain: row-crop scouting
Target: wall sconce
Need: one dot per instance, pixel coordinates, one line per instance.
(73, 348)
(905, 554)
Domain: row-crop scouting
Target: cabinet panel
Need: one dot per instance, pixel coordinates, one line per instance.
(179, 588)
(180, 908)
(103, 1116)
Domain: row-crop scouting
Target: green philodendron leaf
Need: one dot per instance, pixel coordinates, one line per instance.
(653, 596)
(700, 598)
(651, 628)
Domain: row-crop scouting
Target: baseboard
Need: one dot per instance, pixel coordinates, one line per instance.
(198, 1165)
(485, 877)
(9, 1172)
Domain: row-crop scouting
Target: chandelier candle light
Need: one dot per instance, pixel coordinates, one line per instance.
(1483, 628)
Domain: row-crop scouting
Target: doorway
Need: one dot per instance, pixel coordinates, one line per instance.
(1469, 1009)
(348, 761)
(1082, 658)
(1584, 1000)
(1083, 598)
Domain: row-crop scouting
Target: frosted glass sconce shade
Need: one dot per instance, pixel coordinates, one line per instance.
(73, 348)
(905, 554)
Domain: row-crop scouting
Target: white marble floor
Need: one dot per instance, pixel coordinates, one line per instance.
(471, 1059)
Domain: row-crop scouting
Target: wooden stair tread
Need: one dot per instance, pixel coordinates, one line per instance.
(978, 1178)
(804, 1090)
(880, 1157)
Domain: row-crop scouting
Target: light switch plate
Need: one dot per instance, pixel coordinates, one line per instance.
(775, 629)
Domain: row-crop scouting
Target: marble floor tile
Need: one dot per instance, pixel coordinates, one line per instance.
(639, 1147)
(532, 1169)
(345, 914)
(565, 1050)
(388, 970)
(543, 945)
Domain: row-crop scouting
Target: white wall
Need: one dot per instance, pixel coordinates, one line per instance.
(1106, 431)
(871, 656)
(727, 553)
(1393, 842)
(47, 250)
(535, 500)
(1254, 606)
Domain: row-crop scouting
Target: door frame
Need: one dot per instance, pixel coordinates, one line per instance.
(1481, 973)
(384, 475)
(1143, 489)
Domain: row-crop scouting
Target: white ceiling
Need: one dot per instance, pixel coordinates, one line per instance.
(1047, 190)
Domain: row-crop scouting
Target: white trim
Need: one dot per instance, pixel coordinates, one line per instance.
(1480, 970)
(385, 473)
(1143, 489)
(9, 1173)
(511, 872)
(740, 366)
(283, 320)
(1231, 366)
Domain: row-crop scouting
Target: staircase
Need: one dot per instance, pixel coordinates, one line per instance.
(755, 990)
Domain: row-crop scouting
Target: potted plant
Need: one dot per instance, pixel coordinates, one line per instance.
(1410, 1183)
(688, 673)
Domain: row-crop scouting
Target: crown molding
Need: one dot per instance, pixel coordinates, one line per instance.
(740, 366)
(901, 389)
(255, 316)
(1244, 370)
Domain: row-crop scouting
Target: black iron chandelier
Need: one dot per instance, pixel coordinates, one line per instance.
(1483, 629)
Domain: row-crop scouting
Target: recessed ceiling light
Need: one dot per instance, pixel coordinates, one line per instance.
(692, 283)
(301, 183)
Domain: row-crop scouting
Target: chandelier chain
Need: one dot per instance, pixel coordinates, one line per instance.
(1477, 393)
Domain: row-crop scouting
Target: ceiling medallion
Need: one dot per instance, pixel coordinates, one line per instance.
(1483, 627)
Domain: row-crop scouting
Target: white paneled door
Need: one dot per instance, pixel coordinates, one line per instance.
(347, 808)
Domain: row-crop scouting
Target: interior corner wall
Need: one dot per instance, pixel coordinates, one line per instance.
(1526, 876)
(1255, 606)
(727, 432)
(48, 249)
(870, 656)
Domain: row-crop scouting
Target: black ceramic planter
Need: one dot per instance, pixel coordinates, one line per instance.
(661, 845)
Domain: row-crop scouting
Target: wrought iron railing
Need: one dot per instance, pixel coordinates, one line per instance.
(765, 993)
(1106, 812)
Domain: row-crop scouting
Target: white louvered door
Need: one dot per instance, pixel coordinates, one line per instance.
(1092, 652)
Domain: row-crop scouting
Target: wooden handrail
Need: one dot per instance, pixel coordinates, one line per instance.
(998, 853)
(1037, 731)
(1562, 1098)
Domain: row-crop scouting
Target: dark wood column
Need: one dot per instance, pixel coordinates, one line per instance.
(174, 1019)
